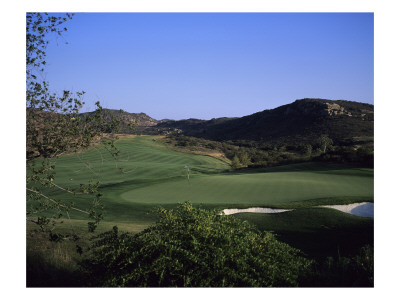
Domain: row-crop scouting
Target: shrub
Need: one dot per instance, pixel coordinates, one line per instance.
(193, 247)
(306, 150)
(357, 271)
(236, 162)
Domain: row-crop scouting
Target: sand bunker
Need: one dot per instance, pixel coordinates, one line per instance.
(364, 209)
(263, 210)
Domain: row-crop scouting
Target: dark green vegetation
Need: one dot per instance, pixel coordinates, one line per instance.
(130, 122)
(56, 264)
(54, 128)
(74, 168)
(143, 163)
(149, 174)
(308, 129)
(302, 121)
(190, 247)
(252, 154)
(319, 232)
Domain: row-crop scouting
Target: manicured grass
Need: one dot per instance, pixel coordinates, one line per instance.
(149, 174)
(267, 189)
(144, 161)
(318, 232)
(154, 175)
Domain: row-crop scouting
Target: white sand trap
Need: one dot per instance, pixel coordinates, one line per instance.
(263, 210)
(364, 209)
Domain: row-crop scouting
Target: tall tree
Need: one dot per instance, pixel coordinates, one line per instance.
(324, 141)
(235, 162)
(244, 159)
(307, 150)
(54, 127)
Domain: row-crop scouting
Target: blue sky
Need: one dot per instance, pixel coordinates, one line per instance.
(208, 65)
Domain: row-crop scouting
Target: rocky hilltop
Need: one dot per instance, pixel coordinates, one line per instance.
(140, 121)
(323, 107)
(298, 122)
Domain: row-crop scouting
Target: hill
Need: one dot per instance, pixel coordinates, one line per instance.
(193, 127)
(140, 121)
(301, 121)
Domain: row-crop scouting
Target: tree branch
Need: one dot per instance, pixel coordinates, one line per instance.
(54, 201)
(61, 188)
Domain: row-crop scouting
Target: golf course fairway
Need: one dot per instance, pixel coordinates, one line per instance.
(149, 174)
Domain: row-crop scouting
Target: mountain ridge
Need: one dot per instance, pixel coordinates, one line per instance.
(300, 121)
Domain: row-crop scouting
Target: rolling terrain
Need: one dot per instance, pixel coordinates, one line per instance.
(299, 122)
(302, 121)
(150, 174)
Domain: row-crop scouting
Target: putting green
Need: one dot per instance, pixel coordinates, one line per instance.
(270, 188)
(150, 174)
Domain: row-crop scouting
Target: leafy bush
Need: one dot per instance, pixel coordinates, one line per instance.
(193, 247)
(236, 162)
(357, 271)
(55, 127)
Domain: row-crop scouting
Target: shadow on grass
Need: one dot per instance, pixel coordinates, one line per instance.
(304, 167)
(318, 232)
(40, 272)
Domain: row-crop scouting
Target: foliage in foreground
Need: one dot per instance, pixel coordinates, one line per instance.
(54, 127)
(356, 271)
(194, 247)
